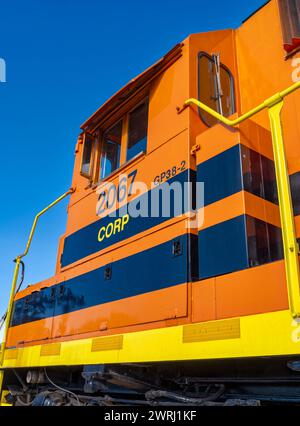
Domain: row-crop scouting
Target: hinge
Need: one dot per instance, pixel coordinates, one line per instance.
(108, 272)
(195, 148)
(52, 293)
(177, 248)
(61, 290)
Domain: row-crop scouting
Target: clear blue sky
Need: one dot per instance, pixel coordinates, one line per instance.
(64, 59)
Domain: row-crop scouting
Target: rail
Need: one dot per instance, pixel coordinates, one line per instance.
(274, 105)
(15, 280)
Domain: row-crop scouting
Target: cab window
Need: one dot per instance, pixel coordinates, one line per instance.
(86, 164)
(215, 87)
(137, 131)
(290, 22)
(111, 149)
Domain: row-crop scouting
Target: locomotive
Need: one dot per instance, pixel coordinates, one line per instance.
(177, 278)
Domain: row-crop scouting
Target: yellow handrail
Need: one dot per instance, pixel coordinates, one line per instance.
(266, 104)
(15, 280)
(290, 245)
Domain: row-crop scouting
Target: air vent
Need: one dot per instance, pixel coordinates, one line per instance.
(107, 343)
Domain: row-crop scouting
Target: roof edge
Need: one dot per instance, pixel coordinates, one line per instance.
(132, 87)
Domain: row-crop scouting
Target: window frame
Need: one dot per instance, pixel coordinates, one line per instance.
(100, 144)
(126, 122)
(88, 175)
(124, 117)
(232, 87)
(122, 114)
(290, 24)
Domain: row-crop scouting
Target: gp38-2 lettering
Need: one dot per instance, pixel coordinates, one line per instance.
(167, 174)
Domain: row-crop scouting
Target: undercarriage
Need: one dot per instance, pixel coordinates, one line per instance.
(241, 382)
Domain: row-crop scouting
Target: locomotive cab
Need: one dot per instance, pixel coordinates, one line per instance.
(173, 257)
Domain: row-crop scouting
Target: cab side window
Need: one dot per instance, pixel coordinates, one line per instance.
(137, 131)
(215, 87)
(108, 148)
(290, 22)
(111, 149)
(86, 164)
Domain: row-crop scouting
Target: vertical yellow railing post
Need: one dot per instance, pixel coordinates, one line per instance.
(8, 316)
(290, 245)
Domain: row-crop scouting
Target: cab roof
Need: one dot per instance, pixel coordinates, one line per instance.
(132, 87)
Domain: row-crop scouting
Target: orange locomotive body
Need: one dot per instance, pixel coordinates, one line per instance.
(157, 290)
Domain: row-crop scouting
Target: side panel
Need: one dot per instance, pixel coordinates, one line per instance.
(169, 163)
(148, 286)
(246, 292)
(37, 307)
(270, 334)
